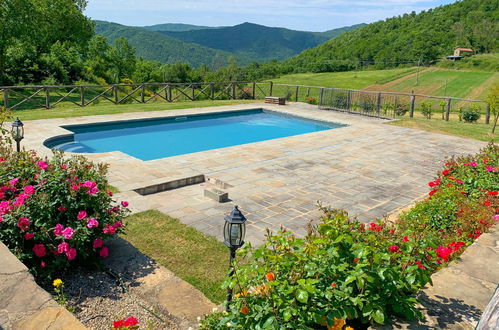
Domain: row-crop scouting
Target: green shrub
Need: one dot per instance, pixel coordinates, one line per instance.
(401, 109)
(312, 100)
(426, 109)
(345, 272)
(471, 115)
(55, 213)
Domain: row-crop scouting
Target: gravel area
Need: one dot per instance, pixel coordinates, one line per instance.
(98, 299)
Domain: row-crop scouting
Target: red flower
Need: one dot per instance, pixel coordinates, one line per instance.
(434, 183)
(431, 193)
(104, 252)
(356, 259)
(486, 203)
(443, 252)
(406, 238)
(131, 321)
(394, 248)
(23, 223)
(28, 236)
(39, 250)
(334, 285)
(445, 172)
(270, 277)
(118, 324)
(61, 209)
(492, 193)
(374, 227)
(421, 266)
(392, 231)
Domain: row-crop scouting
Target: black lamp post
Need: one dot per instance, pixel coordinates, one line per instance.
(18, 133)
(234, 231)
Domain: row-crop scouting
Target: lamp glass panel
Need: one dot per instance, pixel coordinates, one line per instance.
(235, 234)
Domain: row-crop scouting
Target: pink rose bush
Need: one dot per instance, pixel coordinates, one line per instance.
(55, 213)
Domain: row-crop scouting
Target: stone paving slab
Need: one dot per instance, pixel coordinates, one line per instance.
(368, 168)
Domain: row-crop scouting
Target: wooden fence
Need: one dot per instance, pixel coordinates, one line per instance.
(33, 97)
(370, 103)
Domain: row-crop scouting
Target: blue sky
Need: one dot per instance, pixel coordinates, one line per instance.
(309, 15)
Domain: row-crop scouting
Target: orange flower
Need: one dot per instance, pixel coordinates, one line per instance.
(334, 285)
(338, 324)
(270, 276)
(244, 310)
(349, 328)
(243, 293)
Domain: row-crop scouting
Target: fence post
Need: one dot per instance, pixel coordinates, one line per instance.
(115, 93)
(308, 91)
(169, 92)
(378, 103)
(82, 96)
(6, 98)
(411, 111)
(447, 111)
(271, 87)
(212, 91)
(47, 98)
(487, 113)
(296, 94)
(193, 94)
(321, 98)
(254, 90)
(349, 100)
(142, 93)
(233, 91)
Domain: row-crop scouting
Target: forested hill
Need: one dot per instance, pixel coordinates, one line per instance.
(177, 27)
(336, 32)
(426, 36)
(261, 43)
(159, 47)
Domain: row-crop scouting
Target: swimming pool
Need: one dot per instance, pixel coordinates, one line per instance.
(155, 138)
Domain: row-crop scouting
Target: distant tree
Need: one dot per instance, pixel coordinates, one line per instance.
(122, 57)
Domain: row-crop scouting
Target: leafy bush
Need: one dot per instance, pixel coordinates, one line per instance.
(347, 273)
(401, 109)
(471, 115)
(312, 100)
(426, 109)
(55, 213)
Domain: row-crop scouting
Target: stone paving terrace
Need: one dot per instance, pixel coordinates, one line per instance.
(369, 168)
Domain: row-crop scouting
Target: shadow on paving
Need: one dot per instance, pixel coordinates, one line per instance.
(441, 313)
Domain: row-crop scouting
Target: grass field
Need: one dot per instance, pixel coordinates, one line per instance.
(475, 131)
(351, 79)
(193, 256)
(443, 83)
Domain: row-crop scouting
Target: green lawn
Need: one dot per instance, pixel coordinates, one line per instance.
(193, 256)
(64, 111)
(350, 79)
(444, 83)
(475, 131)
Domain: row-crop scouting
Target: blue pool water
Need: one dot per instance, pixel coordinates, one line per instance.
(164, 137)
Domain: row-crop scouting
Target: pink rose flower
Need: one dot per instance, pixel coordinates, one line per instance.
(82, 215)
(68, 233)
(23, 223)
(62, 247)
(472, 164)
(39, 250)
(29, 190)
(104, 252)
(71, 254)
(13, 182)
(124, 203)
(97, 243)
(92, 222)
(64, 166)
(75, 187)
(58, 229)
(61, 209)
(118, 224)
(28, 236)
(42, 165)
(109, 230)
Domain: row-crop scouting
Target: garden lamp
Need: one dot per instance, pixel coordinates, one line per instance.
(18, 132)
(234, 231)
